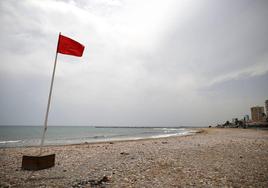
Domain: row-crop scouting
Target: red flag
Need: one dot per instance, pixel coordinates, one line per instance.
(69, 46)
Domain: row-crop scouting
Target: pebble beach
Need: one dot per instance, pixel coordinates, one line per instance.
(211, 158)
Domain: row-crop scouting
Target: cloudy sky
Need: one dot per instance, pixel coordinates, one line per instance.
(146, 62)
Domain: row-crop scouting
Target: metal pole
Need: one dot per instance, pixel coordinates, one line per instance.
(49, 99)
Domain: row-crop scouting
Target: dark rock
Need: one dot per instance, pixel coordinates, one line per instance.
(124, 153)
(164, 142)
(105, 179)
(93, 183)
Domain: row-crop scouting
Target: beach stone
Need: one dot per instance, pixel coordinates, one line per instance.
(124, 153)
(106, 179)
(5, 185)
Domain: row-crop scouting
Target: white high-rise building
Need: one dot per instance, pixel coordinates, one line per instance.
(257, 113)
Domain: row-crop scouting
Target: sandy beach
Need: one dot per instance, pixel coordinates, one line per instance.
(212, 158)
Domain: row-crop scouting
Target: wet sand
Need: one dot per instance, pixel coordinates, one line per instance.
(213, 158)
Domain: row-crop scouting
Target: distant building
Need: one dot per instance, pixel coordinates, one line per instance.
(234, 120)
(257, 113)
(266, 106)
(246, 118)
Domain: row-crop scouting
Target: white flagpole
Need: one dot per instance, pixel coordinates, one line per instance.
(49, 99)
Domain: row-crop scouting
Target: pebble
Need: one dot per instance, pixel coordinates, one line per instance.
(215, 163)
(124, 153)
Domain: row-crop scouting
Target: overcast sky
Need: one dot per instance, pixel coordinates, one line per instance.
(146, 62)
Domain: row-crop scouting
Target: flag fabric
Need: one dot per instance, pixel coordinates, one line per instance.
(69, 46)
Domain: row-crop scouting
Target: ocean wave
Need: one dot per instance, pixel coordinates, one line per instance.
(169, 129)
(164, 135)
(9, 141)
(174, 134)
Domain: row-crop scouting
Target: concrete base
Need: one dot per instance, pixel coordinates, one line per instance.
(38, 162)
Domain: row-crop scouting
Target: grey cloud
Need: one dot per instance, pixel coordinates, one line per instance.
(171, 62)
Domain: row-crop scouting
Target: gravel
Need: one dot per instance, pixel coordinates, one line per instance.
(212, 158)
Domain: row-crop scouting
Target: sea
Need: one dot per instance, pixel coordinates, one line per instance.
(22, 136)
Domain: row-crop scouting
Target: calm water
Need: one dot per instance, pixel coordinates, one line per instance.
(14, 136)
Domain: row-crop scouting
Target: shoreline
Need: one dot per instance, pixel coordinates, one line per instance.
(212, 158)
(197, 131)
